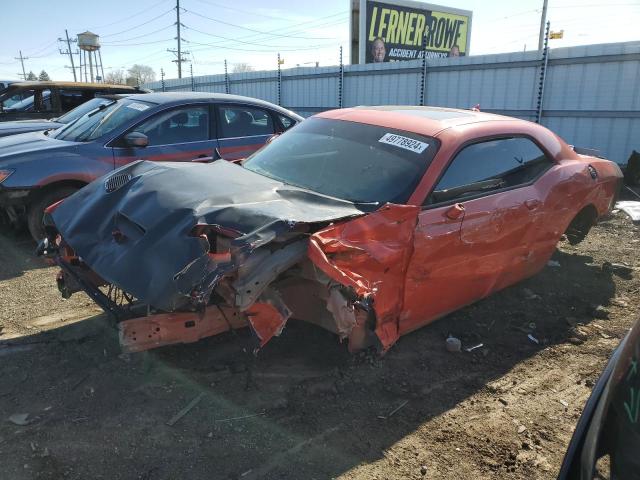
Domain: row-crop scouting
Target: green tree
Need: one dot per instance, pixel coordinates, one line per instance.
(31, 76)
(44, 76)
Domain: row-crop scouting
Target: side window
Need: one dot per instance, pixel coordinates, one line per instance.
(286, 122)
(70, 99)
(491, 165)
(180, 125)
(237, 121)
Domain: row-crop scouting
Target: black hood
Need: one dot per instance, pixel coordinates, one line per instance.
(156, 259)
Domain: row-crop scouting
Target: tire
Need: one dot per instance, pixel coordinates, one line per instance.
(39, 204)
(581, 225)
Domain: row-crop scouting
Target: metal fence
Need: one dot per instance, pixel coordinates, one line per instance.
(591, 93)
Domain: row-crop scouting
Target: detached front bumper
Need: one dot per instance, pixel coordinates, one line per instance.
(148, 330)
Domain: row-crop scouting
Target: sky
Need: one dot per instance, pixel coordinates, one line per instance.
(254, 31)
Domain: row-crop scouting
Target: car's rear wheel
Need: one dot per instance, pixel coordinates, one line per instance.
(579, 227)
(40, 203)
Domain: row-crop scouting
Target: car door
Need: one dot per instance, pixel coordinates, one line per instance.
(489, 187)
(243, 129)
(179, 134)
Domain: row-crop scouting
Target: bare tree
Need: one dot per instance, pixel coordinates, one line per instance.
(242, 67)
(140, 74)
(115, 77)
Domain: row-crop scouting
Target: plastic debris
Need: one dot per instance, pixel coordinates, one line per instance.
(553, 263)
(529, 295)
(533, 339)
(471, 349)
(20, 419)
(453, 344)
(617, 268)
(564, 403)
(631, 208)
(185, 410)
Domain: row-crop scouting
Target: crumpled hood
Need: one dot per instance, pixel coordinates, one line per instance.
(158, 261)
(27, 146)
(24, 126)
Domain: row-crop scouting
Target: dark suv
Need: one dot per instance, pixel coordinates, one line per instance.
(43, 100)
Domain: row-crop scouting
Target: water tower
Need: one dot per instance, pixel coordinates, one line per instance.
(89, 45)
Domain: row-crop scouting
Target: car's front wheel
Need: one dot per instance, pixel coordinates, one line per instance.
(40, 203)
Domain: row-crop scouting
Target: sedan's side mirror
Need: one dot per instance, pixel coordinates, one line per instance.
(136, 139)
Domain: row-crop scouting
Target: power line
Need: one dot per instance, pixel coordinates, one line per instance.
(248, 12)
(296, 29)
(39, 50)
(137, 26)
(223, 44)
(129, 17)
(136, 44)
(209, 45)
(140, 36)
(239, 40)
(254, 30)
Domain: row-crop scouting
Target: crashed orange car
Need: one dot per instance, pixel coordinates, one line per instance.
(369, 222)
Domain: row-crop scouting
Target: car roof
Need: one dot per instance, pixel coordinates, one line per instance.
(429, 121)
(181, 97)
(89, 86)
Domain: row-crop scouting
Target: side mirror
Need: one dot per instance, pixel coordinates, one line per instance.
(136, 139)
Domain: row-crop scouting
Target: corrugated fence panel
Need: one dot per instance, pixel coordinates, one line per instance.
(591, 95)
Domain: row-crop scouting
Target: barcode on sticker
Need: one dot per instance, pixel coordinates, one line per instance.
(138, 106)
(404, 142)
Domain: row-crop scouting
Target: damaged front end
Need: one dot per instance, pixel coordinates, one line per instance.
(180, 264)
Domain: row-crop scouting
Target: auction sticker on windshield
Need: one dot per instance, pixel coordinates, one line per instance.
(138, 106)
(404, 142)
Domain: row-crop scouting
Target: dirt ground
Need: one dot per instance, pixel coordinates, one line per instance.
(305, 408)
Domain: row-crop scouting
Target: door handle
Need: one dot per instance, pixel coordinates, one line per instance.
(532, 204)
(455, 212)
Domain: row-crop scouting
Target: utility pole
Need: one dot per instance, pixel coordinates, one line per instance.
(70, 53)
(179, 53)
(22, 59)
(543, 22)
(179, 39)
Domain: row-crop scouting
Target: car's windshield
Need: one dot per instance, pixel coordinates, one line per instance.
(105, 119)
(83, 109)
(352, 161)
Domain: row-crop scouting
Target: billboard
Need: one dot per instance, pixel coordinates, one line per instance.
(396, 30)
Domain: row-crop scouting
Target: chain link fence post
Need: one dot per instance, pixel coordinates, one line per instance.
(279, 82)
(543, 73)
(423, 79)
(341, 82)
(193, 82)
(162, 80)
(227, 88)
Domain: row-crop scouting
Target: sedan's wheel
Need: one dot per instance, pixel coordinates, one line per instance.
(39, 204)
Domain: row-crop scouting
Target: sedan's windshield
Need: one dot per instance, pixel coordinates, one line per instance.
(352, 161)
(103, 120)
(86, 107)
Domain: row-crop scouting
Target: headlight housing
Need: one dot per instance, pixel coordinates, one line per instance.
(4, 174)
